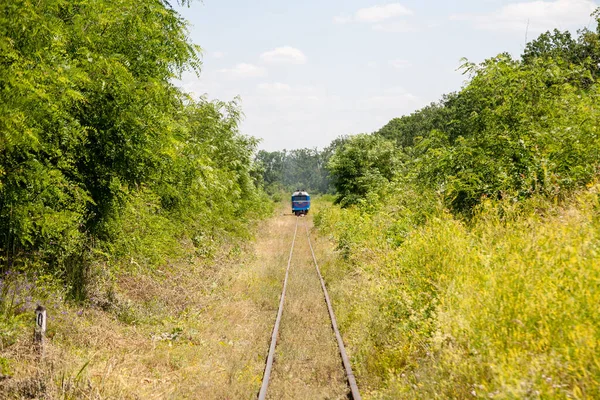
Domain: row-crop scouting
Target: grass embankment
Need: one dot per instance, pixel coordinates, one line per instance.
(194, 328)
(504, 306)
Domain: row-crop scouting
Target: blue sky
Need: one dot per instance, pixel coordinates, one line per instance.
(309, 71)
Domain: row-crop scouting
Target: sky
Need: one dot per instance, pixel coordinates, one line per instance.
(308, 71)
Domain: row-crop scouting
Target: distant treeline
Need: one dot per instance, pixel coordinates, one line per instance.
(298, 169)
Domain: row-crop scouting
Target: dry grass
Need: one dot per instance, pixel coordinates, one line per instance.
(189, 330)
(307, 361)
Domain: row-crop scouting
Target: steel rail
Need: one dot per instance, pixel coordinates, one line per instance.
(345, 360)
(267, 374)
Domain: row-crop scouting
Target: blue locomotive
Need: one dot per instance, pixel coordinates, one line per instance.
(300, 202)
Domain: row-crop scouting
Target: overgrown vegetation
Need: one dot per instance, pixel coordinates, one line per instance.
(468, 238)
(468, 232)
(105, 165)
(499, 307)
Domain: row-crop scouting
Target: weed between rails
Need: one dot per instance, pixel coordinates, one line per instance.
(307, 359)
(501, 307)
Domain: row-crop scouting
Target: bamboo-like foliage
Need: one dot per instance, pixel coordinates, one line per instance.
(90, 121)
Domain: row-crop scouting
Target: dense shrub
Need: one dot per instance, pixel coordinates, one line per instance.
(100, 154)
(363, 164)
(498, 307)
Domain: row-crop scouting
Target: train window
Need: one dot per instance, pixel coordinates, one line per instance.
(300, 198)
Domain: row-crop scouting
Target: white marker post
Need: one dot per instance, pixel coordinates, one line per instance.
(40, 329)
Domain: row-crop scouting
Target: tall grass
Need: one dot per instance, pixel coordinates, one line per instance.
(504, 306)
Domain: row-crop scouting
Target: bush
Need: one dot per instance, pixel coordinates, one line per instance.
(499, 307)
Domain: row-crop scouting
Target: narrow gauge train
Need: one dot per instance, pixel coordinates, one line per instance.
(300, 202)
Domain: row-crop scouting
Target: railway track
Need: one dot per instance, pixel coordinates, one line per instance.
(351, 381)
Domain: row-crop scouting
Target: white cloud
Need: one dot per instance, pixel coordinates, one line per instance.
(281, 96)
(397, 90)
(218, 54)
(375, 14)
(535, 16)
(271, 88)
(396, 27)
(294, 116)
(284, 55)
(400, 64)
(244, 70)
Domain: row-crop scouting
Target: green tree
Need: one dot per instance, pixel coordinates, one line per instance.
(362, 165)
(91, 122)
(555, 45)
(407, 130)
(272, 163)
(294, 169)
